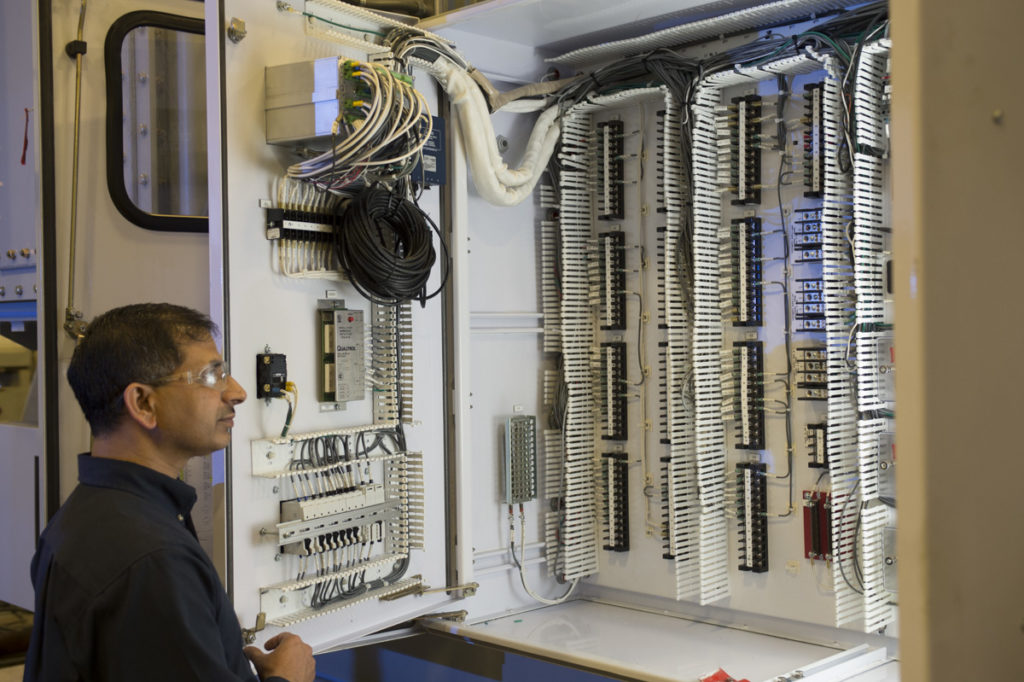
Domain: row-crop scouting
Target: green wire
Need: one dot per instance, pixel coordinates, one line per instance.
(792, 41)
(348, 28)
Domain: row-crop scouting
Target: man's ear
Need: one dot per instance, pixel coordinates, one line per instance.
(140, 404)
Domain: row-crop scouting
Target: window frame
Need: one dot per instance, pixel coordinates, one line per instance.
(115, 125)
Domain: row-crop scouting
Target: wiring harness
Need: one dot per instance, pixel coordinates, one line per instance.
(383, 123)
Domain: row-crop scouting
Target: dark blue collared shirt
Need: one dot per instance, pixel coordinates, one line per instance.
(123, 589)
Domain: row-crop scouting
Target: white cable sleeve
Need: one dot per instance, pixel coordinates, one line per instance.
(494, 180)
(480, 138)
(522, 106)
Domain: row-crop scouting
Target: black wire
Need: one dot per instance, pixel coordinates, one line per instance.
(839, 553)
(385, 245)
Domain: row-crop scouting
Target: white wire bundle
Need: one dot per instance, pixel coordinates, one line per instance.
(387, 128)
(494, 180)
(311, 258)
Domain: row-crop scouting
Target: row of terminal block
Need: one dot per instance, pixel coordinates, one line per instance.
(749, 402)
(616, 501)
(817, 525)
(752, 512)
(610, 171)
(613, 374)
(814, 140)
(745, 140)
(611, 280)
(520, 466)
(747, 275)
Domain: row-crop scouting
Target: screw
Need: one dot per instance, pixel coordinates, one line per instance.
(889, 561)
(3, 291)
(143, 130)
(997, 115)
(19, 290)
(26, 253)
(143, 77)
(12, 254)
(143, 179)
(236, 30)
(277, 557)
(266, 359)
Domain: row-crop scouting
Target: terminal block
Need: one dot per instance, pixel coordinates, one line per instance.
(807, 232)
(613, 354)
(297, 225)
(814, 140)
(747, 285)
(812, 373)
(815, 436)
(520, 465)
(752, 512)
(745, 128)
(809, 305)
(817, 528)
(616, 508)
(610, 172)
(749, 366)
(612, 269)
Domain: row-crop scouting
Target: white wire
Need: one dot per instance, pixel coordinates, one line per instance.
(394, 106)
(522, 569)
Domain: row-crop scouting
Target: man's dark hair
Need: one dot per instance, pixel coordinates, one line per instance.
(140, 342)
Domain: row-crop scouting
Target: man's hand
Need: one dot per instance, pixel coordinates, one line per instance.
(289, 657)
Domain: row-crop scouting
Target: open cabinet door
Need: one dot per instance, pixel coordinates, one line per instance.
(374, 541)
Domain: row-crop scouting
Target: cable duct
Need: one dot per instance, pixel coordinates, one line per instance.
(748, 19)
(494, 180)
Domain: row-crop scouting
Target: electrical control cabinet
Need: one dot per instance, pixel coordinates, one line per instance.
(663, 382)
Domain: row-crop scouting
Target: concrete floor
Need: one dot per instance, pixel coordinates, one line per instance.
(14, 624)
(12, 674)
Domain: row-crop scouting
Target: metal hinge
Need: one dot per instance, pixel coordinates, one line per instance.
(467, 590)
(249, 634)
(452, 616)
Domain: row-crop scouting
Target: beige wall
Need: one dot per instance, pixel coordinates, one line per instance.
(958, 131)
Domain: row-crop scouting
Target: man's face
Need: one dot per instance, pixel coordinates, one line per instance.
(193, 419)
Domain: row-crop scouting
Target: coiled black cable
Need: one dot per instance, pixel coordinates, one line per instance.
(385, 245)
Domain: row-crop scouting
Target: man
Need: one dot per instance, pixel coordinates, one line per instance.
(123, 589)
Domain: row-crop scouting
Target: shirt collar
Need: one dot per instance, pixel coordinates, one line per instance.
(170, 493)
